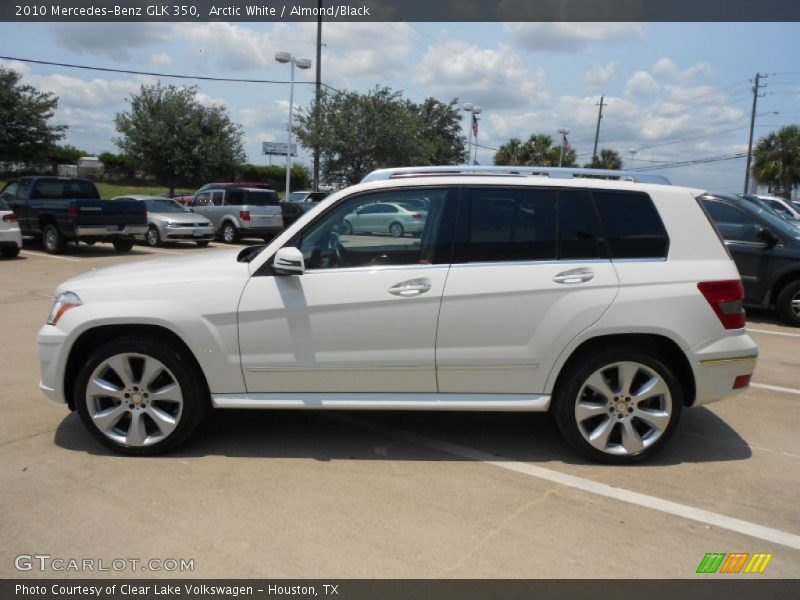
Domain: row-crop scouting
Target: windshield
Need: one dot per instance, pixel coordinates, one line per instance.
(163, 205)
(296, 197)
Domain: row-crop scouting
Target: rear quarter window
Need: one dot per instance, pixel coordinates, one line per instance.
(632, 225)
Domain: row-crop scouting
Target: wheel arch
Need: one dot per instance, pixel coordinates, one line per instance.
(90, 339)
(793, 274)
(666, 348)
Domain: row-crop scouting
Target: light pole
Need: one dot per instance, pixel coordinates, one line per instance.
(472, 128)
(300, 63)
(564, 132)
(633, 152)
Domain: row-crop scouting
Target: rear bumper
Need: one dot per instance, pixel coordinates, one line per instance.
(259, 231)
(110, 231)
(717, 364)
(11, 237)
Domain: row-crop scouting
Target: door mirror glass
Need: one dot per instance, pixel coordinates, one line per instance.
(766, 236)
(289, 261)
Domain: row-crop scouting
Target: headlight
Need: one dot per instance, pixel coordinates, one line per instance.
(173, 224)
(64, 302)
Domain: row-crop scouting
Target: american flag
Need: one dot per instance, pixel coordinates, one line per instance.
(474, 125)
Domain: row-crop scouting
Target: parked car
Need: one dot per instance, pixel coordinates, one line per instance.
(168, 221)
(611, 304)
(294, 210)
(766, 249)
(782, 206)
(306, 196)
(61, 210)
(777, 209)
(10, 236)
(241, 212)
(385, 217)
(186, 199)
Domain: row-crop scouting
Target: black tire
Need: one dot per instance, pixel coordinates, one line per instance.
(53, 240)
(790, 293)
(617, 420)
(202, 243)
(196, 399)
(396, 229)
(123, 244)
(9, 251)
(151, 237)
(228, 233)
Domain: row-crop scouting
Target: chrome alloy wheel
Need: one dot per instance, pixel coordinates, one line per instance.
(795, 304)
(623, 408)
(133, 399)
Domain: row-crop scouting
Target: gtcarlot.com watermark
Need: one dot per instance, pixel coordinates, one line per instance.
(45, 563)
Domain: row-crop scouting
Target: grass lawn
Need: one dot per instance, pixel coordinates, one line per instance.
(112, 190)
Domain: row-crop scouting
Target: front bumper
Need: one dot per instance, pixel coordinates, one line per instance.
(187, 233)
(717, 364)
(49, 343)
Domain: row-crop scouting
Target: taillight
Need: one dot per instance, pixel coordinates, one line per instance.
(742, 381)
(725, 298)
(73, 214)
(417, 216)
(10, 218)
(244, 215)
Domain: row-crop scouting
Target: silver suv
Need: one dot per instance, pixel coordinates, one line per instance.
(238, 212)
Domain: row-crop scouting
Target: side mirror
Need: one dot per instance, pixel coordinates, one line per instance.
(767, 236)
(289, 261)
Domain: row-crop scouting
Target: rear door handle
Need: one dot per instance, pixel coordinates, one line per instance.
(411, 287)
(580, 275)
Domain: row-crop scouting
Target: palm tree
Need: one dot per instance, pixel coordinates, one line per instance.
(510, 153)
(777, 160)
(607, 159)
(537, 151)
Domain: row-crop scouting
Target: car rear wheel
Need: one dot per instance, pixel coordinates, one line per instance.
(396, 230)
(789, 303)
(151, 237)
(618, 406)
(140, 397)
(53, 240)
(229, 235)
(123, 244)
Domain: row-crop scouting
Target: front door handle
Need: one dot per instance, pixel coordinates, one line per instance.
(580, 275)
(411, 287)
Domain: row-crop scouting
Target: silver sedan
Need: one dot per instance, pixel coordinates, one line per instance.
(169, 221)
(395, 218)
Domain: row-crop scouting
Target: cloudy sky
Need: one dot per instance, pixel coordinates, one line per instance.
(675, 92)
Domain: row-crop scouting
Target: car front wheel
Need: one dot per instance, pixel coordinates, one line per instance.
(151, 237)
(138, 396)
(123, 244)
(789, 303)
(618, 406)
(396, 230)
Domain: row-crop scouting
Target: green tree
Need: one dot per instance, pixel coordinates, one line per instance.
(776, 160)
(606, 159)
(117, 166)
(170, 135)
(537, 151)
(25, 134)
(65, 155)
(357, 133)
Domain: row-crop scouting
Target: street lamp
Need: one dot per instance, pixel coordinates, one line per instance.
(633, 152)
(472, 129)
(300, 63)
(564, 132)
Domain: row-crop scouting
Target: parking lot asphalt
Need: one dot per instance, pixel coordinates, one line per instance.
(384, 495)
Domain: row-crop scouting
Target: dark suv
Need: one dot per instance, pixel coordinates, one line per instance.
(766, 250)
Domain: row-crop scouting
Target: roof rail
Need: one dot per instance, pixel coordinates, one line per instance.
(552, 172)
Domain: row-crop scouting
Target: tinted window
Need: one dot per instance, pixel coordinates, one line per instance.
(202, 199)
(262, 198)
(216, 198)
(579, 235)
(733, 224)
(341, 238)
(633, 228)
(3, 205)
(67, 189)
(512, 224)
(11, 189)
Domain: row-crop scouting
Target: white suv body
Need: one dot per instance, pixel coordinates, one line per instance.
(520, 294)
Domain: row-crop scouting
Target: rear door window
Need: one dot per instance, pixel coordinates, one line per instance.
(579, 233)
(734, 225)
(632, 225)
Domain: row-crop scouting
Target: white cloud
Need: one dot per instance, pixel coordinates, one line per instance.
(160, 59)
(600, 74)
(571, 37)
(114, 40)
(667, 68)
(641, 84)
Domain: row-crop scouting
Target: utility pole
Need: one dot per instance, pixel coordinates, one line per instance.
(756, 86)
(597, 131)
(318, 92)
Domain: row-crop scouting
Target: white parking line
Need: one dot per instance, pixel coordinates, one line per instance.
(775, 388)
(755, 530)
(161, 251)
(783, 333)
(44, 255)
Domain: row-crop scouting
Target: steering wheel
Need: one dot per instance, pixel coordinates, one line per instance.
(339, 252)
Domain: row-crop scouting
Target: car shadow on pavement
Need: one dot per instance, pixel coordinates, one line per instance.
(760, 316)
(97, 250)
(418, 436)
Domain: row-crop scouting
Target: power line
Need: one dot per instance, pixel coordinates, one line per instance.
(691, 163)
